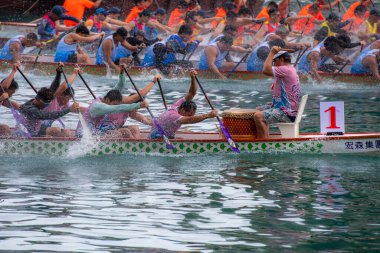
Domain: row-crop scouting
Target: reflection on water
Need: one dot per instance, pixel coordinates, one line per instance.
(248, 203)
(262, 203)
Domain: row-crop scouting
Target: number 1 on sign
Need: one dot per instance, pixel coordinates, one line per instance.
(332, 111)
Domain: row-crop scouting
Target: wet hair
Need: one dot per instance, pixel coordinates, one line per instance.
(332, 44)
(121, 31)
(272, 4)
(68, 92)
(32, 37)
(183, 4)
(14, 84)
(231, 15)
(276, 42)
(190, 16)
(227, 40)
(314, 7)
(185, 29)
(45, 94)
(229, 28)
(344, 40)
(262, 53)
(229, 5)
(138, 1)
(188, 106)
(282, 29)
(360, 9)
(272, 11)
(82, 29)
(244, 11)
(114, 95)
(145, 13)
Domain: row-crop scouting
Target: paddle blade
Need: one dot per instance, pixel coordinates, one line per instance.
(228, 137)
(169, 145)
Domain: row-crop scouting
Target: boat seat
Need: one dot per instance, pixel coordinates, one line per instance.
(291, 130)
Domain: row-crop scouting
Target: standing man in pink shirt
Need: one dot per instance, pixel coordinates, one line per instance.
(181, 112)
(286, 92)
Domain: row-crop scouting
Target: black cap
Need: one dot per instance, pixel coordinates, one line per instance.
(59, 11)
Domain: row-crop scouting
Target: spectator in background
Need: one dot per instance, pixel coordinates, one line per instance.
(76, 9)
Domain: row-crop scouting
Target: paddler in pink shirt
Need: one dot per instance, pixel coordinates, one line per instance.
(107, 115)
(181, 112)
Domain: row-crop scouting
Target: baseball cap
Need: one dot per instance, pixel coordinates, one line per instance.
(101, 11)
(59, 11)
(160, 11)
(375, 12)
(281, 53)
(114, 10)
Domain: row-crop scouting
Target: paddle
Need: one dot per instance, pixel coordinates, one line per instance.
(340, 70)
(331, 12)
(136, 55)
(18, 118)
(299, 4)
(85, 83)
(237, 65)
(169, 145)
(27, 80)
(301, 53)
(69, 86)
(222, 127)
(162, 94)
(192, 52)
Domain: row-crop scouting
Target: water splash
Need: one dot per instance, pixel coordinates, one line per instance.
(87, 143)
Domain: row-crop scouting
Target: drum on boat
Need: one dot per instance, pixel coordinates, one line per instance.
(240, 122)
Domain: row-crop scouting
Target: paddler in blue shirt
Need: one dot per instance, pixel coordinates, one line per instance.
(214, 54)
(108, 50)
(368, 61)
(68, 49)
(162, 54)
(14, 47)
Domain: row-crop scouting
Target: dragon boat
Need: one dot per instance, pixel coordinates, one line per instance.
(188, 143)
(46, 65)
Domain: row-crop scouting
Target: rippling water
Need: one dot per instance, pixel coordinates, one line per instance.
(249, 203)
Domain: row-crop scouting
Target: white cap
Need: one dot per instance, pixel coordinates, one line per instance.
(279, 54)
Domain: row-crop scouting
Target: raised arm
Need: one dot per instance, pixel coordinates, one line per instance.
(267, 69)
(144, 91)
(100, 109)
(64, 86)
(8, 80)
(193, 87)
